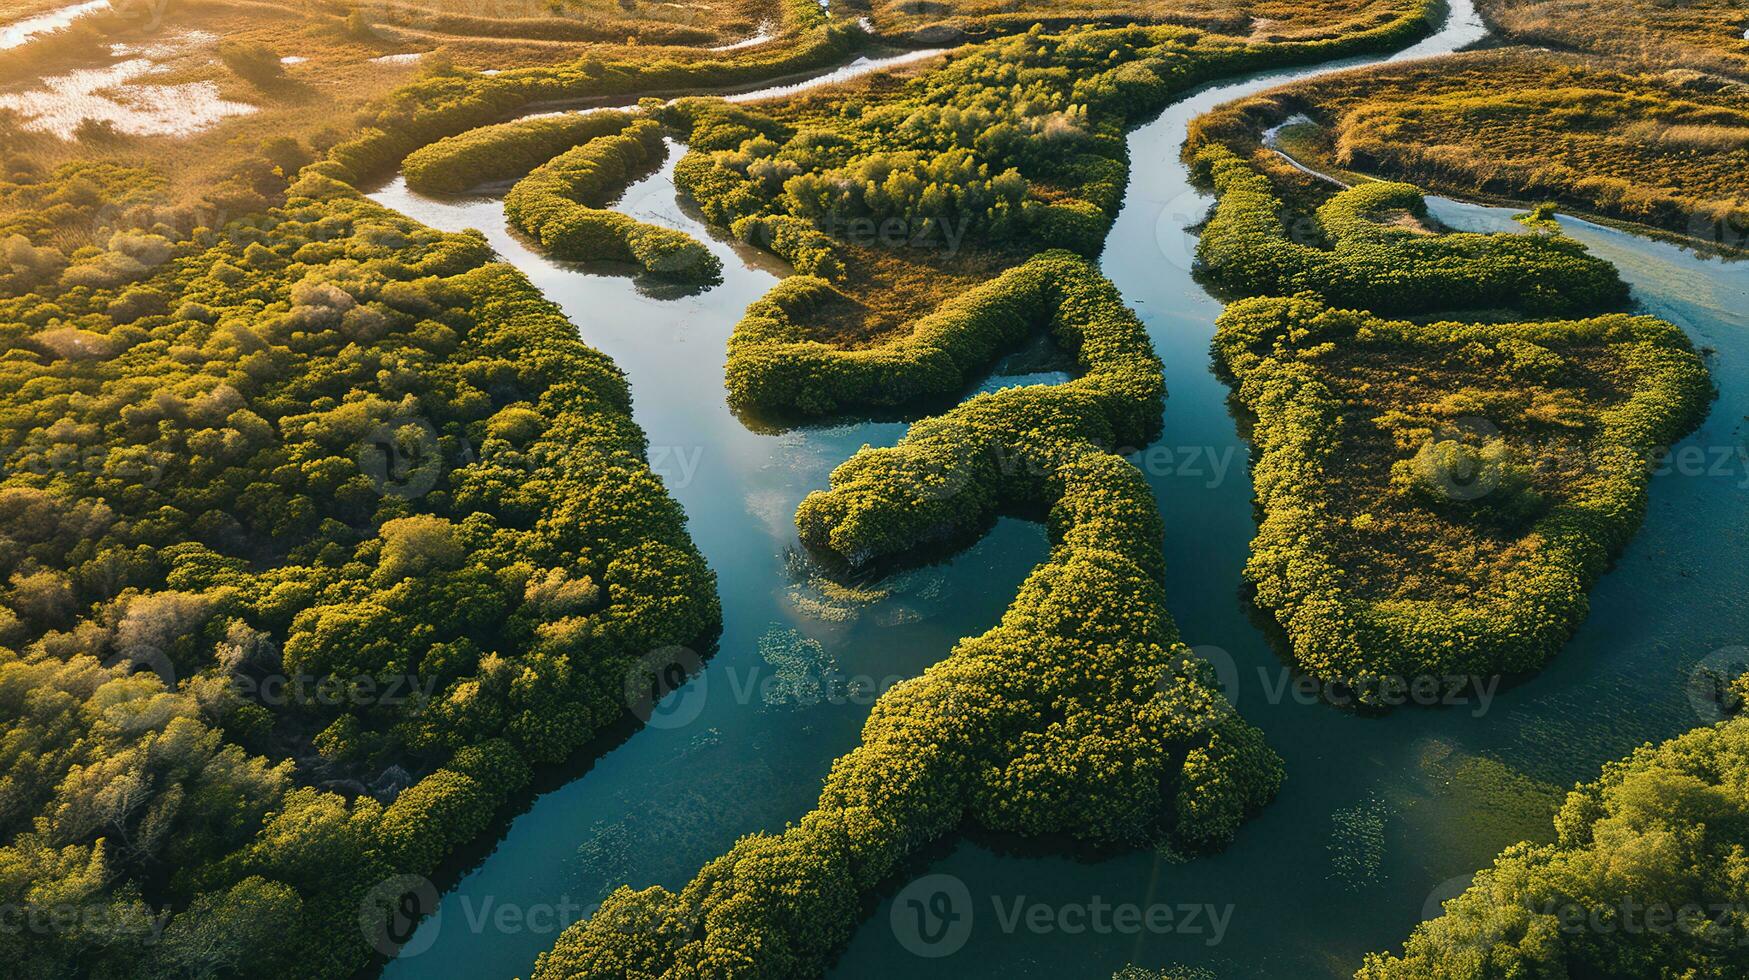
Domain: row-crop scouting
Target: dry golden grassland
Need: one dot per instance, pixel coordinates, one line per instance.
(15, 10)
(1666, 148)
(334, 59)
(1705, 35)
(338, 57)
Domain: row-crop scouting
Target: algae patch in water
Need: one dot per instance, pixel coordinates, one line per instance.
(895, 600)
(1476, 805)
(1357, 843)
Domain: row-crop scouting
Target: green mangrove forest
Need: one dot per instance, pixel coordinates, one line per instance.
(334, 549)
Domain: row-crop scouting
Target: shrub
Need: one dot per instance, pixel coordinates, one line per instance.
(252, 60)
(1020, 140)
(432, 108)
(1081, 713)
(1247, 251)
(560, 206)
(313, 477)
(810, 251)
(504, 152)
(774, 371)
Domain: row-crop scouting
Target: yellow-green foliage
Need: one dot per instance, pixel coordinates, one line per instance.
(192, 429)
(367, 513)
(62, 208)
(1248, 250)
(951, 474)
(775, 371)
(1020, 140)
(1081, 713)
(506, 151)
(560, 205)
(1052, 722)
(1437, 499)
(810, 251)
(1274, 20)
(467, 22)
(1646, 879)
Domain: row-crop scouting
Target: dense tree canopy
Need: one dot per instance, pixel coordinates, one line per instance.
(562, 206)
(1053, 721)
(318, 531)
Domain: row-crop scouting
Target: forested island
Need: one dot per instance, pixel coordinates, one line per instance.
(335, 544)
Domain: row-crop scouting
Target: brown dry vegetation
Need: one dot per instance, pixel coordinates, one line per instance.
(890, 287)
(13, 10)
(313, 103)
(1705, 35)
(1396, 545)
(340, 47)
(316, 99)
(1664, 148)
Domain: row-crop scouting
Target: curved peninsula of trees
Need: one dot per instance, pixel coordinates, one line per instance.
(320, 532)
(1436, 498)
(561, 205)
(505, 151)
(1081, 713)
(1383, 256)
(1625, 141)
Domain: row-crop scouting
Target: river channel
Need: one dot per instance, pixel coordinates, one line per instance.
(1380, 817)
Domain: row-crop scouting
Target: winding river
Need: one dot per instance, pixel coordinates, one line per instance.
(1380, 817)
